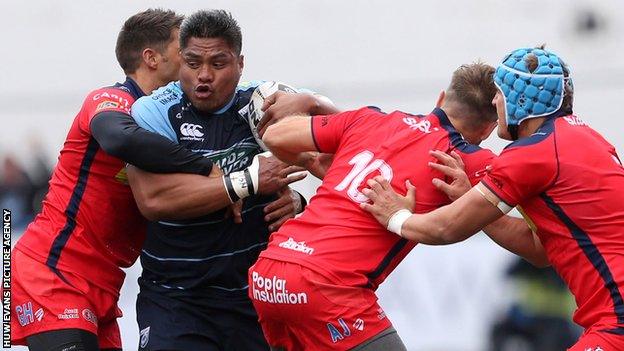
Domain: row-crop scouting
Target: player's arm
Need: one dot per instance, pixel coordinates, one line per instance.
(182, 196)
(291, 141)
(446, 225)
(515, 235)
(119, 135)
(511, 233)
(282, 104)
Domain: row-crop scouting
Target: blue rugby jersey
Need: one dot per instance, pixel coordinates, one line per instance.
(210, 254)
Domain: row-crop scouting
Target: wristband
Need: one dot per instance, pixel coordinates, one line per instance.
(397, 219)
(243, 183)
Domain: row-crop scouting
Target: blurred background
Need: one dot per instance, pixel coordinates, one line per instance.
(472, 296)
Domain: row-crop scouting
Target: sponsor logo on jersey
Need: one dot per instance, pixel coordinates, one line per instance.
(39, 314)
(337, 335)
(122, 176)
(422, 125)
(575, 121)
(24, 313)
(144, 337)
(106, 105)
(166, 96)
(234, 158)
(69, 313)
(123, 103)
(273, 290)
(358, 324)
(89, 316)
(191, 131)
(300, 246)
(597, 348)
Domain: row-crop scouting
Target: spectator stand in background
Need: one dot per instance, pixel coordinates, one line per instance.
(22, 188)
(539, 318)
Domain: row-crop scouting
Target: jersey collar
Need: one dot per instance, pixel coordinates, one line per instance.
(133, 88)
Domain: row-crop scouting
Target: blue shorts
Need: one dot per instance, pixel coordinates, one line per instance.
(183, 323)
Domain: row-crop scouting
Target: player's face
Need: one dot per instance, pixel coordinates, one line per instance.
(169, 67)
(210, 72)
(499, 103)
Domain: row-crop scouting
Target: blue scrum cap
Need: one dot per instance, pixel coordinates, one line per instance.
(530, 94)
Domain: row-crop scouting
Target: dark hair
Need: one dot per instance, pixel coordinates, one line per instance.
(150, 28)
(568, 89)
(212, 24)
(472, 87)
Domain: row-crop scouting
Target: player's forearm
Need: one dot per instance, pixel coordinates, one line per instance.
(514, 235)
(452, 223)
(289, 138)
(120, 136)
(323, 106)
(176, 196)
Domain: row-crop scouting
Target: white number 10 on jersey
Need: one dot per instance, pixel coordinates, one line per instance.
(363, 165)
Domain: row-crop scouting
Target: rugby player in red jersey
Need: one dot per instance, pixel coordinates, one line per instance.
(314, 286)
(66, 275)
(564, 177)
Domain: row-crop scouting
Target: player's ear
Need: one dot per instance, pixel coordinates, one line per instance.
(149, 58)
(441, 97)
(241, 63)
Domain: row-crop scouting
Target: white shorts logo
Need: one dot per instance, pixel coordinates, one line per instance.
(144, 333)
(273, 290)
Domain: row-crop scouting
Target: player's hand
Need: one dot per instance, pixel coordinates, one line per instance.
(385, 201)
(274, 175)
(282, 104)
(285, 207)
(235, 211)
(451, 166)
(315, 162)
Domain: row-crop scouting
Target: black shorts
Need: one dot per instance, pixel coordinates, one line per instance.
(210, 324)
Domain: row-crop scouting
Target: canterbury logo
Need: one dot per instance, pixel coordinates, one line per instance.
(424, 125)
(191, 130)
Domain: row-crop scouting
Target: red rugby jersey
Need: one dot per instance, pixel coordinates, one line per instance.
(89, 223)
(569, 182)
(333, 235)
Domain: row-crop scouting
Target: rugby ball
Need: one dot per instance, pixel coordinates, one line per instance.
(254, 111)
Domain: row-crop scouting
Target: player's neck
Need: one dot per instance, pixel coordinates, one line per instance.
(529, 126)
(147, 82)
(466, 133)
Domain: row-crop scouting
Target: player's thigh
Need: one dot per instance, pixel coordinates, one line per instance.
(599, 341)
(63, 339)
(302, 309)
(387, 340)
(166, 323)
(44, 301)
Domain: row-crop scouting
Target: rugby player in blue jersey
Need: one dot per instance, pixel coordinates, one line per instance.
(194, 283)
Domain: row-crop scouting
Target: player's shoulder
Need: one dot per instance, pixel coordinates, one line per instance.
(109, 97)
(160, 100)
(536, 140)
(244, 89)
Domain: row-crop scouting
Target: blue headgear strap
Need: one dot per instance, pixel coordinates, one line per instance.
(530, 94)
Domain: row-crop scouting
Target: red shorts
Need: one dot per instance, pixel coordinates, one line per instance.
(41, 301)
(300, 309)
(598, 340)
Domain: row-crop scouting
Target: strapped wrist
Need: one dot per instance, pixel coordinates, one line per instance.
(395, 223)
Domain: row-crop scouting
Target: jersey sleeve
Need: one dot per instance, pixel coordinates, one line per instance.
(328, 130)
(476, 164)
(151, 115)
(101, 100)
(522, 172)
